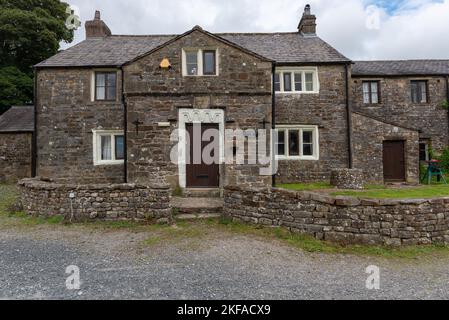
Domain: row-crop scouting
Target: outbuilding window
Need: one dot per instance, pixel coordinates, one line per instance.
(371, 92)
(419, 91)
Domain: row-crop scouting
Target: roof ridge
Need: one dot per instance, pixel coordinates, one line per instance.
(401, 60)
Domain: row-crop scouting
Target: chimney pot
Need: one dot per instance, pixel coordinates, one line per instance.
(307, 25)
(97, 28)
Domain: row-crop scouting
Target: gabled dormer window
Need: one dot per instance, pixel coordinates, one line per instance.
(105, 86)
(296, 80)
(199, 62)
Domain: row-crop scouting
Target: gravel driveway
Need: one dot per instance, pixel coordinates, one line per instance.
(116, 264)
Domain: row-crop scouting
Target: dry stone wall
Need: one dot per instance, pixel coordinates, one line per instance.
(90, 202)
(341, 219)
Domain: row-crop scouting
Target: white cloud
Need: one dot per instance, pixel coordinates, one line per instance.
(414, 29)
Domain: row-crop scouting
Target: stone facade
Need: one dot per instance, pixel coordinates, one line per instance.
(396, 106)
(242, 89)
(348, 179)
(345, 220)
(327, 110)
(89, 202)
(15, 156)
(368, 136)
(66, 116)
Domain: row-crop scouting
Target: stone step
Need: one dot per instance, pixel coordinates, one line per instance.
(197, 206)
(202, 193)
(197, 216)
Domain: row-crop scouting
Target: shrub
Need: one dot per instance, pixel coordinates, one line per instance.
(444, 160)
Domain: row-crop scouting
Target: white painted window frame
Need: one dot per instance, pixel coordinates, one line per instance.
(300, 128)
(97, 134)
(199, 52)
(303, 71)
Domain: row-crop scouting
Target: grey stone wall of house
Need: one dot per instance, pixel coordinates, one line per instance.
(99, 201)
(154, 95)
(339, 219)
(15, 156)
(368, 135)
(327, 110)
(348, 179)
(396, 106)
(66, 116)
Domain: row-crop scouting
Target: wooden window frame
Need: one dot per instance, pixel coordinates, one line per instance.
(426, 82)
(97, 134)
(370, 87)
(285, 130)
(214, 52)
(295, 71)
(106, 85)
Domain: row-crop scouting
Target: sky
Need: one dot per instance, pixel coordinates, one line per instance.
(360, 29)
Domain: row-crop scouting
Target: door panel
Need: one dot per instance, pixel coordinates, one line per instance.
(200, 174)
(394, 161)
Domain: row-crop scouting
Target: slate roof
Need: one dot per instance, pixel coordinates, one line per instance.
(116, 50)
(18, 119)
(400, 67)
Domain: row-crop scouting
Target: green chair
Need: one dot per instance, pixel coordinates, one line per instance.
(433, 170)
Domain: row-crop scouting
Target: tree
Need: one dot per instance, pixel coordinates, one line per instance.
(30, 32)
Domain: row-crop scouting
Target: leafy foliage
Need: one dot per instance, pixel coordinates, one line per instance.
(444, 160)
(30, 32)
(16, 88)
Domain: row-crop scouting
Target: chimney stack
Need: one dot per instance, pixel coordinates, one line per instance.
(97, 28)
(307, 25)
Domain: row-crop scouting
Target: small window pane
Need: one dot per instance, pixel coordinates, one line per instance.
(309, 81)
(287, 81)
(106, 148)
(100, 93)
(293, 146)
(307, 140)
(119, 147)
(192, 63)
(423, 92)
(101, 80)
(209, 62)
(281, 143)
(374, 97)
(298, 81)
(277, 82)
(111, 93)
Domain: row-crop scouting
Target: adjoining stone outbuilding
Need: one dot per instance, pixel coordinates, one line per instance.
(16, 136)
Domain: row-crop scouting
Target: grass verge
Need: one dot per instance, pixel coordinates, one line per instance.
(306, 186)
(425, 192)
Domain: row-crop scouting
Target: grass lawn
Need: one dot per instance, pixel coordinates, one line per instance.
(420, 192)
(377, 191)
(193, 233)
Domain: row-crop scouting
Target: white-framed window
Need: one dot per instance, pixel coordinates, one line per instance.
(199, 62)
(297, 80)
(108, 147)
(297, 142)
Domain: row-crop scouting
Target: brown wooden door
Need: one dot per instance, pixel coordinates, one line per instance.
(198, 173)
(394, 161)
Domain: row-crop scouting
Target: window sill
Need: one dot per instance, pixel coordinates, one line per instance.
(201, 76)
(297, 93)
(296, 158)
(109, 163)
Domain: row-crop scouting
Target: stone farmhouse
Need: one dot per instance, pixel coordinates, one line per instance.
(106, 108)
